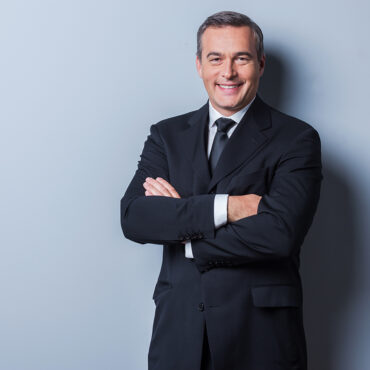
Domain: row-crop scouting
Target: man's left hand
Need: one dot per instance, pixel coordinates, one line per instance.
(160, 187)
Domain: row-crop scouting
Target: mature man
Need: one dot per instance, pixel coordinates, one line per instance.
(238, 183)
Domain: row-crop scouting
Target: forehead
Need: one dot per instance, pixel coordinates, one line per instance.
(228, 39)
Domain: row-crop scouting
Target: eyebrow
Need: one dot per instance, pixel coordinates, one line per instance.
(247, 53)
(240, 53)
(213, 53)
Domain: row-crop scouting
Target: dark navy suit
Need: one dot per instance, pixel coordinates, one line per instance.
(243, 283)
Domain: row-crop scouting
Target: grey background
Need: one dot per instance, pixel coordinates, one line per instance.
(80, 84)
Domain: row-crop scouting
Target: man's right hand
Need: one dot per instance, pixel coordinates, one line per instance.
(240, 206)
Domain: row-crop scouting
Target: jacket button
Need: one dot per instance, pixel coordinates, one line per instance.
(201, 306)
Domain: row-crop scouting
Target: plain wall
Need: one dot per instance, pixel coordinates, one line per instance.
(80, 84)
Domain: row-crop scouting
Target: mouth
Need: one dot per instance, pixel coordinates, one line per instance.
(229, 88)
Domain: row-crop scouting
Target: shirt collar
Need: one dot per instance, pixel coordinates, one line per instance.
(215, 115)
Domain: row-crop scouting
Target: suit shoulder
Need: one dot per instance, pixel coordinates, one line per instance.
(174, 123)
(291, 126)
(165, 129)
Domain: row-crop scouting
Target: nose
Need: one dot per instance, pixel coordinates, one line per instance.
(229, 70)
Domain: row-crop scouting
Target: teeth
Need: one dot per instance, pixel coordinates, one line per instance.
(228, 86)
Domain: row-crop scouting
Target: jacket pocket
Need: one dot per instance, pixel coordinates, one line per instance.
(276, 296)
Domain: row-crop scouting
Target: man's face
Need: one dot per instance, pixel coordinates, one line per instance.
(229, 67)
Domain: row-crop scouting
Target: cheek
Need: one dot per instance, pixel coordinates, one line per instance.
(252, 75)
(210, 74)
(248, 70)
(209, 80)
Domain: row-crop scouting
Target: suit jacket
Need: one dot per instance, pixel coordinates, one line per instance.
(244, 280)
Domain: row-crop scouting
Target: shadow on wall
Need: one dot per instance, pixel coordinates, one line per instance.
(273, 84)
(328, 270)
(329, 251)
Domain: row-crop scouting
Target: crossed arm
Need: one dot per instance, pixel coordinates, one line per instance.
(271, 227)
(238, 206)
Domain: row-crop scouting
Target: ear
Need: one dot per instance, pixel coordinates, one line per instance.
(199, 66)
(262, 64)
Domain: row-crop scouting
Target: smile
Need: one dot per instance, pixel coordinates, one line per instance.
(229, 89)
(228, 86)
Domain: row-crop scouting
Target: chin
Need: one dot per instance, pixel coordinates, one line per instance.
(230, 106)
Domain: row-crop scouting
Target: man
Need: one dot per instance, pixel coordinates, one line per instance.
(238, 183)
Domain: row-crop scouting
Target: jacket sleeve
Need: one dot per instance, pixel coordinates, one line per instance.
(284, 214)
(160, 219)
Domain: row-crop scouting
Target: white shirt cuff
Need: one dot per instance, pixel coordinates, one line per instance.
(188, 250)
(220, 210)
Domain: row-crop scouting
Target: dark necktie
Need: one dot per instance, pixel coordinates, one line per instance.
(220, 140)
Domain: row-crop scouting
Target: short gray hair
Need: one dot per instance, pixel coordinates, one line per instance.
(228, 18)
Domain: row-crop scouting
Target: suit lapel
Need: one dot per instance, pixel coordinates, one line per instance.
(194, 139)
(244, 142)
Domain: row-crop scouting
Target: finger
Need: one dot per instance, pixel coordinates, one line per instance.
(151, 189)
(169, 187)
(159, 187)
(156, 187)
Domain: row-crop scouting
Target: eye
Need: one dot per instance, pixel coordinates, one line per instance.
(243, 59)
(214, 60)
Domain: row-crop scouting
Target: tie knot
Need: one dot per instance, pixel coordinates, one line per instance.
(224, 124)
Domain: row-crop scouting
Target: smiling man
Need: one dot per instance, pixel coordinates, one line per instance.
(230, 67)
(230, 191)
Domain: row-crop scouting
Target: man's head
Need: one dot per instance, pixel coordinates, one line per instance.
(230, 60)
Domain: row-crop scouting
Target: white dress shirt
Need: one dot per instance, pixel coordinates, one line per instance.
(220, 203)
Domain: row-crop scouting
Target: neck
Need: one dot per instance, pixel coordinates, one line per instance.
(227, 112)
